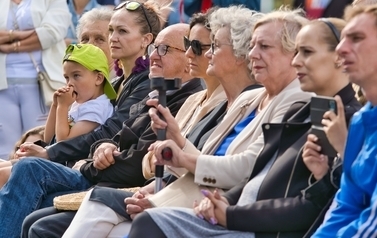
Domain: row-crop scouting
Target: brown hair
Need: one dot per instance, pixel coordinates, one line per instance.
(328, 36)
(153, 13)
(202, 18)
(39, 130)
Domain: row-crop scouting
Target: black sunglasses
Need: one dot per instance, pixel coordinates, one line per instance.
(132, 6)
(196, 46)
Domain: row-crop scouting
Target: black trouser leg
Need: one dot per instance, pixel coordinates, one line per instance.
(47, 222)
(144, 226)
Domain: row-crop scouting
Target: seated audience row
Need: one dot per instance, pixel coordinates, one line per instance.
(252, 156)
(341, 85)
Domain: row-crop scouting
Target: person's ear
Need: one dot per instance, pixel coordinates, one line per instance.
(240, 60)
(146, 40)
(338, 61)
(187, 67)
(100, 79)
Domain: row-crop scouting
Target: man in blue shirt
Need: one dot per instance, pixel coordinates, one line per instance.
(356, 212)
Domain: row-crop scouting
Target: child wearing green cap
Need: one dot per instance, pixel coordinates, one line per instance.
(84, 104)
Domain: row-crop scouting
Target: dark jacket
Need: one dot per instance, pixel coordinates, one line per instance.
(334, 9)
(133, 142)
(286, 206)
(136, 88)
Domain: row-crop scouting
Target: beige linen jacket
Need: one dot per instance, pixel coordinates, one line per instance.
(187, 110)
(229, 170)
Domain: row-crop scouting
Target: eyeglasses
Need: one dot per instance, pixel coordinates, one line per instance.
(215, 45)
(196, 46)
(132, 6)
(161, 49)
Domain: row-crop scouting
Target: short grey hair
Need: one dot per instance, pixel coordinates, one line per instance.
(96, 14)
(293, 21)
(240, 21)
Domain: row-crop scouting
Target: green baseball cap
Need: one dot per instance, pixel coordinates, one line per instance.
(92, 58)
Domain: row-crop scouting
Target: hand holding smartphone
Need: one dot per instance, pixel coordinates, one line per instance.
(318, 106)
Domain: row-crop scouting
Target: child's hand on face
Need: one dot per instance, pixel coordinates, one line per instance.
(57, 93)
(66, 96)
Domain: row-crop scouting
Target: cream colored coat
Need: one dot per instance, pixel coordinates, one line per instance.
(186, 112)
(229, 170)
(51, 19)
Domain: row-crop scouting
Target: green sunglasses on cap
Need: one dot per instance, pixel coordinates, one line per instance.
(132, 6)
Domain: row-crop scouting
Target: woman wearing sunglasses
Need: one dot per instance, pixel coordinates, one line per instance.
(198, 105)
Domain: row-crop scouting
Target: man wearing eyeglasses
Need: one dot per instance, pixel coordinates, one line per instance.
(167, 60)
(113, 163)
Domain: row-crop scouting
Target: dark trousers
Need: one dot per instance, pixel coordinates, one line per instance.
(139, 225)
(47, 223)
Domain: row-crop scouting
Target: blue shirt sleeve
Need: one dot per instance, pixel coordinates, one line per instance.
(349, 206)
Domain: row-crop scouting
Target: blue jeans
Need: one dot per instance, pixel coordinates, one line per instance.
(31, 183)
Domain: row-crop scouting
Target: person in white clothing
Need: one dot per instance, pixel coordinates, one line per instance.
(85, 99)
(28, 28)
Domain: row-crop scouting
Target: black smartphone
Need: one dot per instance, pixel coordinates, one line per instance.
(318, 106)
(40, 143)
